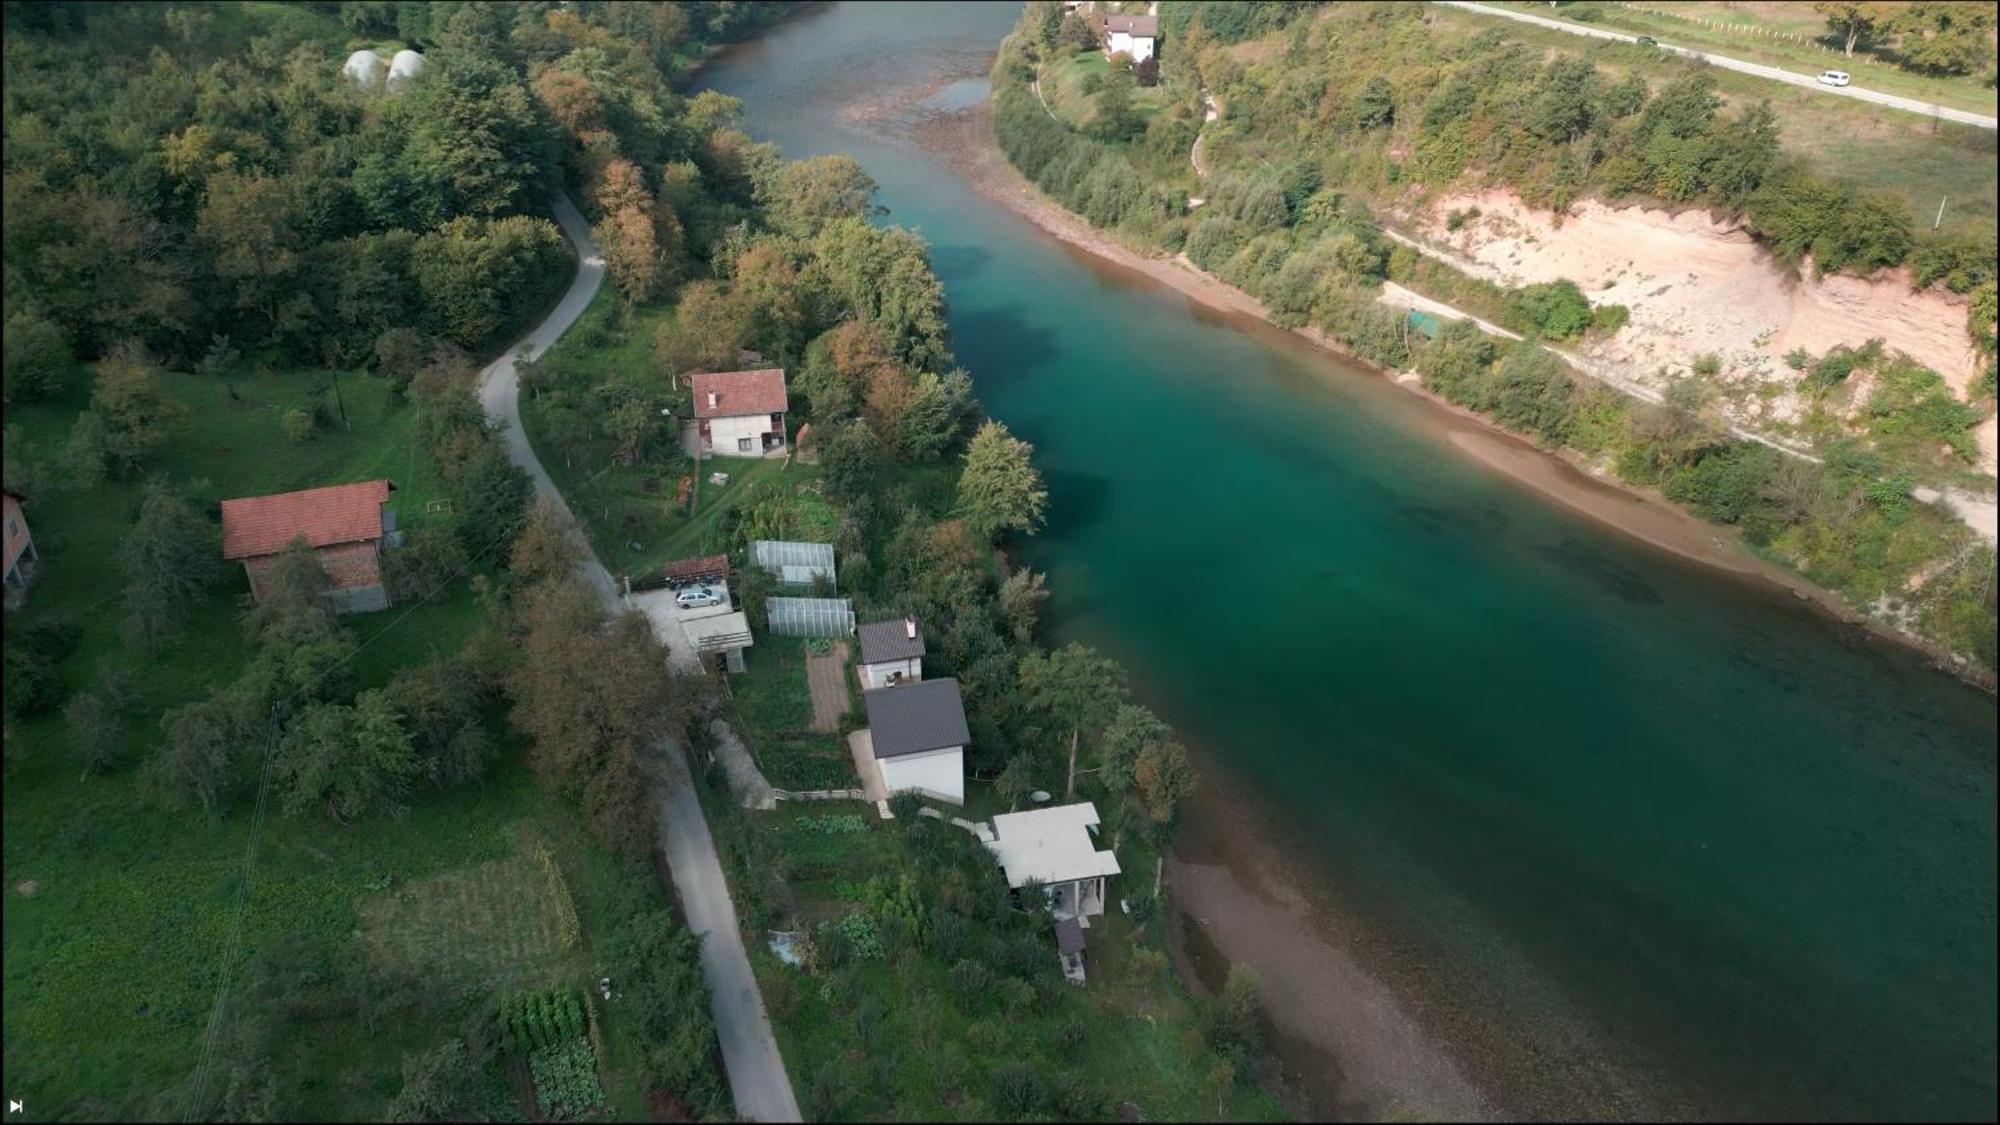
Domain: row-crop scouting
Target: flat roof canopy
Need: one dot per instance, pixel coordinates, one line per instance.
(1050, 845)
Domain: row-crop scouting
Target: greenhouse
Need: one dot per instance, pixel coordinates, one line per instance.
(810, 617)
(793, 563)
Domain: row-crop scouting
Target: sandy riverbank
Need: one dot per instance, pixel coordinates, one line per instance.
(964, 139)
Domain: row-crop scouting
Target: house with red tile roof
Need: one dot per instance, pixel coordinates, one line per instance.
(345, 525)
(738, 414)
(21, 554)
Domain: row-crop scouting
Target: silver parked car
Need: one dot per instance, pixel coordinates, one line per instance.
(696, 598)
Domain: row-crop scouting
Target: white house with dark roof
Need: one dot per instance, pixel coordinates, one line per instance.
(1056, 848)
(1132, 35)
(891, 653)
(917, 735)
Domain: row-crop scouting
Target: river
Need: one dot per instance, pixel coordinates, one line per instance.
(1616, 835)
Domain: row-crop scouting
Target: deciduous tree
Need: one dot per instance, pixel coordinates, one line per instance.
(1000, 490)
(354, 760)
(169, 558)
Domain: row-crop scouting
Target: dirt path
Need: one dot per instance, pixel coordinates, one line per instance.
(757, 1080)
(826, 676)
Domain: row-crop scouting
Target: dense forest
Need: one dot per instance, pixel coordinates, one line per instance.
(1331, 122)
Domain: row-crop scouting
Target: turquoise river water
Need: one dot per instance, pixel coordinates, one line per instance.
(1573, 782)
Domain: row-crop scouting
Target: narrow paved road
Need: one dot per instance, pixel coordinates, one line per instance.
(1808, 81)
(757, 1079)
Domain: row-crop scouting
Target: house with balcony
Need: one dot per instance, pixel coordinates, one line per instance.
(737, 414)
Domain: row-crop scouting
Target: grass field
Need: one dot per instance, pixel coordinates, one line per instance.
(622, 505)
(1768, 33)
(925, 1052)
(1921, 160)
(118, 914)
(1063, 85)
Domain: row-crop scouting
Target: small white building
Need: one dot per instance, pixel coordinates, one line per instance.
(738, 414)
(917, 734)
(1056, 848)
(891, 652)
(1133, 35)
(719, 638)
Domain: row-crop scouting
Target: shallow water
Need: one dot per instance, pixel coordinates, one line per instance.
(1604, 807)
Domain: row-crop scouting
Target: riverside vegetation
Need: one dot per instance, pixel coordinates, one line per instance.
(1340, 110)
(923, 993)
(264, 863)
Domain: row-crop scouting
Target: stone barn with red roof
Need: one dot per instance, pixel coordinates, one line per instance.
(345, 525)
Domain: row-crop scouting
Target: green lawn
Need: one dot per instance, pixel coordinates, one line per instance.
(622, 505)
(1761, 33)
(1063, 90)
(928, 1053)
(118, 914)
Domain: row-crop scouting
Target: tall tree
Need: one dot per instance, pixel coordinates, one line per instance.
(1853, 20)
(593, 696)
(1000, 490)
(805, 195)
(1071, 690)
(169, 558)
(353, 760)
(136, 411)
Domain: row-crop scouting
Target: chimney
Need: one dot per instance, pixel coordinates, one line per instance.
(714, 400)
(910, 628)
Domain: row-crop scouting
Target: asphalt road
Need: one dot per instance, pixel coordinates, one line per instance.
(757, 1079)
(1809, 81)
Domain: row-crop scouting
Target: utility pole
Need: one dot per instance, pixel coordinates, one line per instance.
(1939, 221)
(341, 402)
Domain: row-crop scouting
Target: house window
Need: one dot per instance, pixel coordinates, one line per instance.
(743, 445)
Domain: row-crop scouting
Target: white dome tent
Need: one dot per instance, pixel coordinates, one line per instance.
(406, 65)
(364, 69)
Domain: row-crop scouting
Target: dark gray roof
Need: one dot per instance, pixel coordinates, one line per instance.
(913, 718)
(1069, 936)
(889, 640)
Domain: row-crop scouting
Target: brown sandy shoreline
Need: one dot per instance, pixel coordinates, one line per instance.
(1361, 1029)
(965, 140)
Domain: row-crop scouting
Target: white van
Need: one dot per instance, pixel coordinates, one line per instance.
(1833, 78)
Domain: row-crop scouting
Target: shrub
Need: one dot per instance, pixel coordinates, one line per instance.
(1798, 359)
(1833, 369)
(1459, 217)
(1607, 319)
(1708, 365)
(297, 424)
(428, 560)
(863, 938)
(1556, 310)
(1017, 1091)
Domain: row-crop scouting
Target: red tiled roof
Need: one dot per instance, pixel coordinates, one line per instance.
(697, 567)
(266, 525)
(740, 392)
